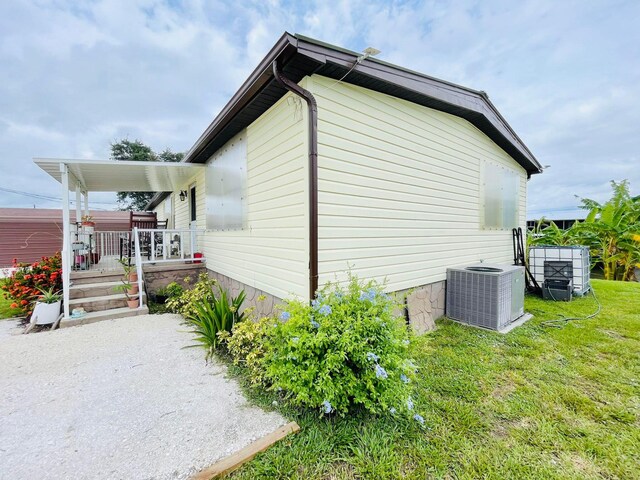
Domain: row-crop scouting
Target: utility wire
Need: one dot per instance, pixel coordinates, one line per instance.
(45, 197)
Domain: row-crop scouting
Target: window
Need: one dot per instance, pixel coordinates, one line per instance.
(226, 186)
(501, 192)
(192, 203)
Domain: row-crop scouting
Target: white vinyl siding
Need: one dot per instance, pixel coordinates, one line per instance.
(182, 214)
(271, 253)
(400, 188)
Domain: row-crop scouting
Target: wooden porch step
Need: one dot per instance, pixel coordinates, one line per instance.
(85, 290)
(110, 314)
(102, 302)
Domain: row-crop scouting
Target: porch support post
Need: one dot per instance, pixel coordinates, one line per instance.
(66, 240)
(86, 203)
(78, 203)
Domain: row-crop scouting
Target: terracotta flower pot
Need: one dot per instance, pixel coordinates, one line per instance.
(133, 303)
(133, 277)
(133, 290)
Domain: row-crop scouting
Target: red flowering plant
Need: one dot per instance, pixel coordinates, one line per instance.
(27, 281)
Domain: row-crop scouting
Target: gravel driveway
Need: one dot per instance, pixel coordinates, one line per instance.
(118, 399)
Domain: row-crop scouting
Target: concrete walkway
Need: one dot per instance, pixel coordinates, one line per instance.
(119, 399)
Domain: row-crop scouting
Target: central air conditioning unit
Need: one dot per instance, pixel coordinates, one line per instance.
(487, 296)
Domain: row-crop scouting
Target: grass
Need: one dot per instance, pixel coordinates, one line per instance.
(5, 310)
(539, 402)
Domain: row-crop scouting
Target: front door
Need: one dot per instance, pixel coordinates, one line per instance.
(192, 207)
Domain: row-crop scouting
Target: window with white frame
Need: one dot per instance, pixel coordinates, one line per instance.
(226, 186)
(501, 197)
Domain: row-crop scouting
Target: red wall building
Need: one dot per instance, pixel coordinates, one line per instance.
(30, 233)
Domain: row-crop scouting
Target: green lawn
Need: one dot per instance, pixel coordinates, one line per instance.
(5, 310)
(536, 403)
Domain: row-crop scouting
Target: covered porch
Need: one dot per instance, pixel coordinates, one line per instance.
(87, 253)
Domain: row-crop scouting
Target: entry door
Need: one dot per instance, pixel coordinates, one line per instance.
(192, 207)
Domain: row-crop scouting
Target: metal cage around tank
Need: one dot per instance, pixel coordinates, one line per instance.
(578, 255)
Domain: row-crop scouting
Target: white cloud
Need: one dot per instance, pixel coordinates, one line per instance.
(564, 74)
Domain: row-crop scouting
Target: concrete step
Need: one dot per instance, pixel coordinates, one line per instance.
(102, 302)
(110, 314)
(98, 289)
(81, 278)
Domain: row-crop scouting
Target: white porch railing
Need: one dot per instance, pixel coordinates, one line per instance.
(136, 240)
(103, 251)
(170, 245)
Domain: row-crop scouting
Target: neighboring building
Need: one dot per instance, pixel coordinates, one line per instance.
(28, 234)
(413, 175)
(562, 224)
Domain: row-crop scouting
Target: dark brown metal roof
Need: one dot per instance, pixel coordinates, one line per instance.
(301, 56)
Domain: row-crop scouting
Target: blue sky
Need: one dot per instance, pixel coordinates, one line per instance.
(80, 75)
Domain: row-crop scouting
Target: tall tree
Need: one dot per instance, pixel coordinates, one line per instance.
(139, 152)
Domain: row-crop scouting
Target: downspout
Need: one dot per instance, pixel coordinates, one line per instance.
(313, 174)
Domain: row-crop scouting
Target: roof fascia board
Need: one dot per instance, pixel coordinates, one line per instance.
(131, 163)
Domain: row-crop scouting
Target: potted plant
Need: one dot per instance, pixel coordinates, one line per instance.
(127, 289)
(130, 274)
(88, 224)
(47, 308)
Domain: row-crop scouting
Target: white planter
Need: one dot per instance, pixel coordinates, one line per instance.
(45, 313)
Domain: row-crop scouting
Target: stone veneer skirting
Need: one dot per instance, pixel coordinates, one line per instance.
(263, 302)
(424, 305)
(160, 275)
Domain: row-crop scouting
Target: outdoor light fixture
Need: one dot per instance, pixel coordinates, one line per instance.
(183, 195)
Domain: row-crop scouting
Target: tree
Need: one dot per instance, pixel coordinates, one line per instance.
(612, 230)
(139, 152)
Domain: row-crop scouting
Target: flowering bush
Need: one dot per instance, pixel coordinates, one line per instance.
(345, 350)
(184, 301)
(29, 280)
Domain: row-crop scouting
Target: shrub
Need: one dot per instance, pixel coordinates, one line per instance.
(184, 300)
(215, 315)
(343, 352)
(171, 291)
(246, 344)
(28, 281)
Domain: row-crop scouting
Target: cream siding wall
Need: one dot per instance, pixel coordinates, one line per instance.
(271, 253)
(400, 188)
(182, 209)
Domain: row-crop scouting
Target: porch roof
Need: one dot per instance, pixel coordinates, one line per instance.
(121, 176)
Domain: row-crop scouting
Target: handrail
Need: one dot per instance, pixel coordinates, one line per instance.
(166, 249)
(173, 230)
(138, 257)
